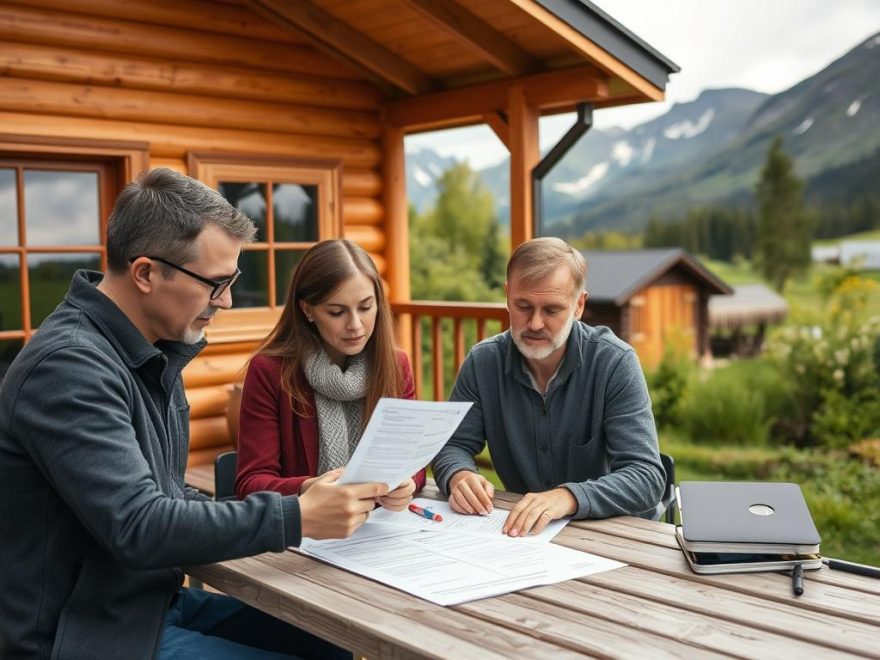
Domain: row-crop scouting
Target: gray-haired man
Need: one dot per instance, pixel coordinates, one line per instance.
(94, 516)
(563, 406)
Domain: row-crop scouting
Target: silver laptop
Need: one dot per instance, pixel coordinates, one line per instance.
(746, 517)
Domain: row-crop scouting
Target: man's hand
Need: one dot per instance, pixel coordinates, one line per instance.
(398, 498)
(470, 493)
(532, 513)
(305, 485)
(331, 511)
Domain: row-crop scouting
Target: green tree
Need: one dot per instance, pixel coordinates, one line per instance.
(782, 247)
(456, 248)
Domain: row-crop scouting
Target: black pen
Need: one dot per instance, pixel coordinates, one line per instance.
(852, 567)
(797, 580)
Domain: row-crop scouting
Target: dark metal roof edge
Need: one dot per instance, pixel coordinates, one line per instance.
(615, 38)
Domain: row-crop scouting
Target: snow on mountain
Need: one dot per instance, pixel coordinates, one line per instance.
(854, 108)
(688, 129)
(422, 177)
(581, 185)
(648, 149)
(622, 152)
(803, 127)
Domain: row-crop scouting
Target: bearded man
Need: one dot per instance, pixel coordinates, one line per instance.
(563, 406)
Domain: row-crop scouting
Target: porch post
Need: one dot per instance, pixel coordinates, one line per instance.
(396, 226)
(524, 155)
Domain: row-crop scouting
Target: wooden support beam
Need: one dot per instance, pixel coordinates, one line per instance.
(475, 35)
(497, 121)
(468, 105)
(524, 155)
(396, 226)
(341, 41)
(584, 47)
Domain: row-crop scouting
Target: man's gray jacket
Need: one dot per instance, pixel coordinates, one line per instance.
(593, 432)
(95, 519)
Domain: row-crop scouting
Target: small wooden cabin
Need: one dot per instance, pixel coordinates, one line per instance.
(296, 111)
(652, 297)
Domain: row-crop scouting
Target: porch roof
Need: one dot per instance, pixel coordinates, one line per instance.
(562, 51)
(750, 304)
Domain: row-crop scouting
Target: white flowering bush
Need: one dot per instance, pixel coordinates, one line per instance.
(833, 371)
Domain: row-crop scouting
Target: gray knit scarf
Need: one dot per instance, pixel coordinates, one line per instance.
(340, 397)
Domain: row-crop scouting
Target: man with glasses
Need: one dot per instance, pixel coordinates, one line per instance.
(95, 519)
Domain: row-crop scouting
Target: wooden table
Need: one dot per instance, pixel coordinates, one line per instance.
(654, 607)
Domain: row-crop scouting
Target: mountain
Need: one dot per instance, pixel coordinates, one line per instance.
(618, 160)
(423, 168)
(827, 121)
(707, 151)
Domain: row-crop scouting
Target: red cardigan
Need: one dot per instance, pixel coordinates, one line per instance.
(277, 449)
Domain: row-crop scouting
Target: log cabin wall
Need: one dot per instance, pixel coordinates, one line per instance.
(192, 77)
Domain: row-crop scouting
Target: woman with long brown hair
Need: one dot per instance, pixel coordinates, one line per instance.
(315, 380)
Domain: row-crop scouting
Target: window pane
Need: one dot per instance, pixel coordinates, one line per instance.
(50, 276)
(61, 208)
(252, 288)
(8, 208)
(8, 350)
(251, 199)
(285, 262)
(10, 293)
(295, 210)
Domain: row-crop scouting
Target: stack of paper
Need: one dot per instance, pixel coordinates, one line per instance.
(737, 527)
(459, 559)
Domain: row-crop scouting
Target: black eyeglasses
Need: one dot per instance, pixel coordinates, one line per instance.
(217, 286)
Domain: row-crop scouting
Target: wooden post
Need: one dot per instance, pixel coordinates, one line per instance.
(397, 229)
(524, 155)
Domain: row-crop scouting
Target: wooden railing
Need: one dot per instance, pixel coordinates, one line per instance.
(465, 323)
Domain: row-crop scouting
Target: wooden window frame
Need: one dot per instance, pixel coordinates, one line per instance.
(637, 307)
(119, 163)
(212, 168)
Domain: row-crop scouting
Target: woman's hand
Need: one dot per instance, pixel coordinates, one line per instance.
(335, 474)
(398, 498)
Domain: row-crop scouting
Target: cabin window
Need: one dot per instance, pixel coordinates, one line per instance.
(53, 216)
(637, 318)
(294, 204)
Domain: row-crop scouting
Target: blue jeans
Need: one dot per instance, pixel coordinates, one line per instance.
(201, 625)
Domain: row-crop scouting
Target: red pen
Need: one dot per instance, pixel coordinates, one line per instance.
(425, 513)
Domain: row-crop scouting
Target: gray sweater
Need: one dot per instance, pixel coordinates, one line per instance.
(592, 432)
(94, 516)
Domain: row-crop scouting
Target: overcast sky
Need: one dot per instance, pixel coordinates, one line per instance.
(764, 45)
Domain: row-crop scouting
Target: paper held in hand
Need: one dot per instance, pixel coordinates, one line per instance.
(401, 438)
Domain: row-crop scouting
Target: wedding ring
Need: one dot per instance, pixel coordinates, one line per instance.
(545, 513)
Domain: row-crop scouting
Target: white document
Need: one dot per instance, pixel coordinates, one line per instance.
(447, 568)
(487, 526)
(401, 438)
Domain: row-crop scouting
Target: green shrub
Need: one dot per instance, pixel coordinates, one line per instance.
(834, 374)
(735, 405)
(668, 384)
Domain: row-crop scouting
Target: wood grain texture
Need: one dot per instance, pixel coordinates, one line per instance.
(85, 65)
(45, 26)
(658, 609)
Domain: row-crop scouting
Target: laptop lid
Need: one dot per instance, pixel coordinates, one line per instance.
(746, 512)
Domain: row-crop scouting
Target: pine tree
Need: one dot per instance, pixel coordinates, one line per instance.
(782, 248)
